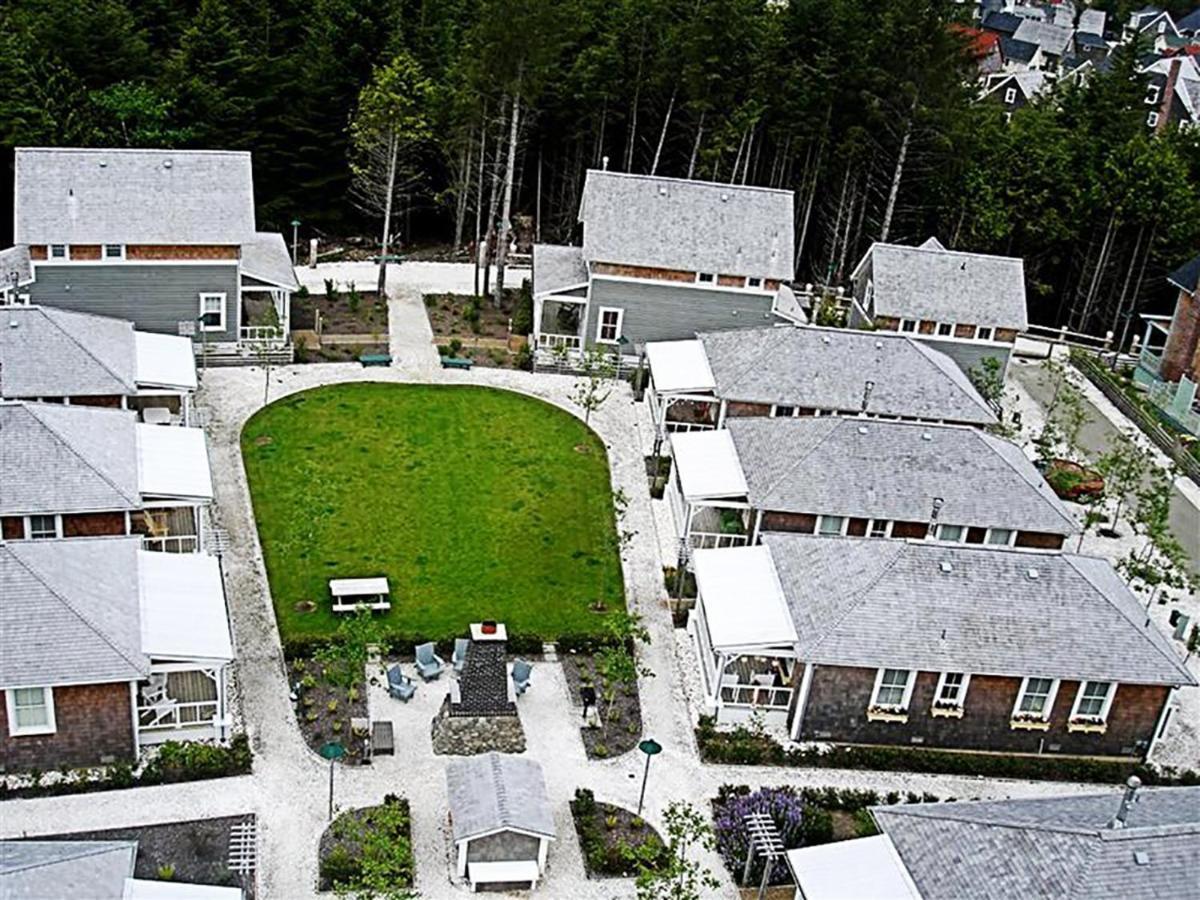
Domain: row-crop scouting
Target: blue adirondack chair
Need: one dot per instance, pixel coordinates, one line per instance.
(429, 664)
(400, 685)
(521, 671)
(459, 659)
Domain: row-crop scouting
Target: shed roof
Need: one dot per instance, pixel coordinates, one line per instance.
(38, 870)
(852, 870)
(696, 226)
(1092, 21)
(173, 462)
(492, 792)
(164, 361)
(556, 267)
(47, 352)
(828, 368)
(183, 607)
(265, 257)
(708, 465)
(1053, 39)
(680, 367)
(744, 604)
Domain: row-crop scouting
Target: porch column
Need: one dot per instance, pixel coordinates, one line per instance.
(537, 320)
(462, 859)
(133, 706)
(1161, 725)
(198, 518)
(802, 700)
(756, 515)
(543, 847)
(222, 721)
(715, 698)
(721, 415)
(689, 512)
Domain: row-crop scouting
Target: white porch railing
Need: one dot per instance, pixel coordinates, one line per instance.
(552, 341)
(757, 695)
(175, 543)
(268, 335)
(175, 714)
(708, 540)
(674, 427)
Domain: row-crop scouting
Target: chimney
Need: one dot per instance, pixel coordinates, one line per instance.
(1183, 340)
(1164, 109)
(1127, 802)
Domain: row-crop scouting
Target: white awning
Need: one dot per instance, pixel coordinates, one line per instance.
(146, 889)
(743, 601)
(164, 361)
(708, 465)
(680, 367)
(183, 607)
(850, 870)
(173, 462)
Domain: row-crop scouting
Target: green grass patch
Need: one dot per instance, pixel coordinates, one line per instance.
(475, 503)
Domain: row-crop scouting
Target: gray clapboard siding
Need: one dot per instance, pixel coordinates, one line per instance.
(153, 297)
(665, 311)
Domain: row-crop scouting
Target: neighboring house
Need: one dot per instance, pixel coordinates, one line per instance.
(1020, 56)
(982, 46)
(1189, 25)
(83, 360)
(788, 371)
(1153, 25)
(663, 258)
(89, 870)
(970, 306)
(1092, 47)
(1169, 364)
(501, 818)
(104, 648)
(1003, 23)
(862, 641)
(842, 477)
(1014, 90)
(163, 238)
(1172, 92)
(1140, 845)
(1053, 42)
(75, 472)
(1091, 21)
(16, 274)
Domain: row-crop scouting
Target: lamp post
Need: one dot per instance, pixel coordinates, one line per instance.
(651, 748)
(295, 240)
(332, 751)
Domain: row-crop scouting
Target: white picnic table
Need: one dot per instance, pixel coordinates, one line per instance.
(351, 593)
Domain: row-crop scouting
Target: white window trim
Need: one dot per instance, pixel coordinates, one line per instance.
(887, 528)
(104, 253)
(14, 730)
(962, 536)
(1050, 698)
(1152, 119)
(1152, 94)
(841, 531)
(600, 324)
(775, 407)
(711, 279)
(754, 283)
(1011, 542)
(1010, 95)
(937, 329)
(916, 326)
(58, 531)
(908, 689)
(991, 332)
(50, 257)
(962, 691)
(207, 296)
(1107, 705)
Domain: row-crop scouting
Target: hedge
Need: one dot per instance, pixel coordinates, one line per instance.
(741, 746)
(401, 645)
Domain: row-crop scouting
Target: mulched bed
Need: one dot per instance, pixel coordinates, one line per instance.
(451, 315)
(624, 728)
(336, 352)
(381, 835)
(341, 314)
(318, 723)
(198, 850)
(609, 836)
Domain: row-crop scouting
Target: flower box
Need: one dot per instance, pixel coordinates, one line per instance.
(946, 712)
(1029, 723)
(886, 714)
(1088, 725)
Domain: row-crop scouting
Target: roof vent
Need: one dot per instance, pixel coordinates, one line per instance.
(662, 190)
(724, 197)
(824, 339)
(104, 164)
(879, 345)
(1141, 857)
(862, 429)
(1128, 799)
(1032, 574)
(945, 567)
(167, 164)
(926, 436)
(13, 323)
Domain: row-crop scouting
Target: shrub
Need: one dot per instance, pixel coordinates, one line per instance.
(585, 801)
(190, 761)
(354, 298)
(340, 868)
(302, 292)
(165, 872)
(523, 358)
(443, 350)
(522, 317)
(331, 293)
(455, 346)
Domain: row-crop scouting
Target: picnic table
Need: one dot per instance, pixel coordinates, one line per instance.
(456, 362)
(351, 593)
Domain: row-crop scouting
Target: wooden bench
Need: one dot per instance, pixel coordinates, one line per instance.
(383, 741)
(517, 871)
(456, 362)
(375, 359)
(351, 593)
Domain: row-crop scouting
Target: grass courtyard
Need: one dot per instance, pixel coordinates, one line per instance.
(475, 503)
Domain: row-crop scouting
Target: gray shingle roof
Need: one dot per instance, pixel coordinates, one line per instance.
(698, 226)
(492, 792)
(1187, 276)
(1053, 39)
(1051, 846)
(70, 612)
(1017, 51)
(893, 470)
(556, 267)
(864, 602)
(47, 352)
(44, 870)
(828, 368)
(58, 459)
(91, 196)
(1003, 22)
(15, 260)
(1092, 21)
(266, 258)
(947, 286)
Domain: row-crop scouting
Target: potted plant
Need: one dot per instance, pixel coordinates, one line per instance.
(886, 714)
(946, 709)
(1091, 724)
(1029, 722)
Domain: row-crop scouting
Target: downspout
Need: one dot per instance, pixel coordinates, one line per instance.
(802, 700)
(1161, 725)
(133, 707)
(721, 415)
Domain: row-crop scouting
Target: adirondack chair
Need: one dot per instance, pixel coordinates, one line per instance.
(400, 685)
(459, 659)
(429, 664)
(521, 671)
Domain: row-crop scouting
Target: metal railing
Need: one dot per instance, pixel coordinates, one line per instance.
(173, 714)
(174, 543)
(708, 540)
(757, 695)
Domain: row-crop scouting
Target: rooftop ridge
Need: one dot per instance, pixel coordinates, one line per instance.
(132, 150)
(694, 181)
(56, 321)
(946, 251)
(990, 441)
(28, 407)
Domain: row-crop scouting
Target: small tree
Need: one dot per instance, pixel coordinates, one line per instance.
(1161, 561)
(988, 379)
(1123, 468)
(617, 661)
(344, 659)
(682, 878)
(597, 384)
(1065, 416)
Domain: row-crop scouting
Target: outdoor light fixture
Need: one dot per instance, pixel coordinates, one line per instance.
(332, 751)
(651, 748)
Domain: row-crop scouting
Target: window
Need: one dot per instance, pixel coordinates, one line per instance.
(879, 528)
(1152, 119)
(951, 689)
(908, 325)
(952, 533)
(608, 328)
(114, 251)
(783, 412)
(706, 277)
(753, 282)
(1152, 94)
(945, 329)
(212, 312)
(892, 688)
(30, 711)
(985, 333)
(1093, 700)
(1010, 96)
(43, 527)
(832, 525)
(1000, 537)
(59, 251)
(1036, 697)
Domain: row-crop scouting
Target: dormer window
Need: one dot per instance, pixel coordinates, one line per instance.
(754, 283)
(114, 251)
(908, 326)
(59, 251)
(1152, 94)
(945, 329)
(985, 333)
(705, 277)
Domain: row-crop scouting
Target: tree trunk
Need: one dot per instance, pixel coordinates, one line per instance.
(696, 145)
(662, 134)
(1137, 246)
(505, 223)
(737, 160)
(479, 198)
(897, 174)
(1101, 262)
(385, 241)
(493, 203)
(537, 209)
(460, 211)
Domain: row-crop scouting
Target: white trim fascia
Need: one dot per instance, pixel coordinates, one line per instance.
(83, 263)
(502, 828)
(862, 262)
(550, 294)
(688, 285)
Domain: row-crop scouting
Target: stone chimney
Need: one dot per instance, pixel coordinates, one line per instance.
(1183, 341)
(1168, 97)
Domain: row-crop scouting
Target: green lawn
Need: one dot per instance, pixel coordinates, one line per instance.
(475, 503)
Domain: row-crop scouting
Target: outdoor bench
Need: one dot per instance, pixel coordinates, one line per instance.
(375, 359)
(456, 362)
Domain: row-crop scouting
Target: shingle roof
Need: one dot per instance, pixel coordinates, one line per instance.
(1017, 51)
(1054, 39)
(15, 260)
(947, 286)
(492, 792)
(1087, 39)
(556, 267)
(1051, 846)
(48, 352)
(40, 870)
(70, 612)
(1003, 22)
(266, 258)
(1187, 276)
(892, 470)
(58, 459)
(1189, 23)
(91, 196)
(1092, 21)
(698, 226)
(865, 602)
(828, 368)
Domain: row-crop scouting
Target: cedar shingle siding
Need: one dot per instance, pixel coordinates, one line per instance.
(182, 251)
(92, 524)
(94, 726)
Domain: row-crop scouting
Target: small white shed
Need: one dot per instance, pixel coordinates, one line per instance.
(501, 819)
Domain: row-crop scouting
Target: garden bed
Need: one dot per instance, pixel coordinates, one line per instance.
(195, 852)
(324, 710)
(334, 352)
(615, 842)
(623, 717)
(466, 316)
(368, 851)
(349, 310)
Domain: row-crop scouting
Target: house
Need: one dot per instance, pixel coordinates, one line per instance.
(983, 47)
(1152, 25)
(95, 870)
(16, 274)
(106, 647)
(74, 472)
(1002, 22)
(501, 819)
(843, 477)
(1169, 363)
(1020, 56)
(1014, 90)
(1053, 41)
(970, 306)
(1091, 21)
(1189, 25)
(163, 238)
(67, 357)
(1143, 844)
(1172, 92)
(806, 371)
(661, 259)
(862, 641)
